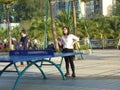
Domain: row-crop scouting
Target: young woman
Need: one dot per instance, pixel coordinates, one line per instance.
(67, 41)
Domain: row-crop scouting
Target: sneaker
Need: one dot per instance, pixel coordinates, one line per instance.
(67, 74)
(73, 75)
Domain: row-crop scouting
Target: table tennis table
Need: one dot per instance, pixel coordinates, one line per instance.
(33, 57)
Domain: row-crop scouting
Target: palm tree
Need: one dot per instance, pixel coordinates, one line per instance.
(74, 16)
(114, 23)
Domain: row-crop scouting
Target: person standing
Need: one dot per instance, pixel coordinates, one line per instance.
(59, 43)
(35, 43)
(68, 41)
(23, 42)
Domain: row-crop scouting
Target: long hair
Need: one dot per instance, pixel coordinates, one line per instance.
(67, 30)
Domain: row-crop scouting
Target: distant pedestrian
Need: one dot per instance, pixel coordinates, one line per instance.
(35, 43)
(5, 41)
(23, 45)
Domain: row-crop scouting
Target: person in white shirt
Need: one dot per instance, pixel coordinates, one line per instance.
(35, 43)
(68, 41)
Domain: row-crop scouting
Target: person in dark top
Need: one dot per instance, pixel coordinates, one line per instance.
(23, 42)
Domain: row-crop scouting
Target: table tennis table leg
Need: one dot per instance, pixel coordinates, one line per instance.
(59, 69)
(18, 72)
(39, 67)
(54, 64)
(81, 56)
(24, 70)
(4, 69)
(61, 62)
(44, 76)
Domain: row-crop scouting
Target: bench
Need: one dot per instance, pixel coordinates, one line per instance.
(34, 57)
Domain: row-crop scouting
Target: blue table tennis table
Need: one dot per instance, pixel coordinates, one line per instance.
(34, 57)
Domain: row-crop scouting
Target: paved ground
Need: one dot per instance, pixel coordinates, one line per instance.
(98, 71)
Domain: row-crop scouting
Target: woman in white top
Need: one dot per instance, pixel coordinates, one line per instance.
(67, 41)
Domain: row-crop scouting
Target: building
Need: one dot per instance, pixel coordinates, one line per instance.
(80, 9)
(66, 5)
(99, 7)
(89, 9)
(12, 25)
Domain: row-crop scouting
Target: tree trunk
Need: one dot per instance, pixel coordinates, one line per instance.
(53, 24)
(74, 16)
(8, 24)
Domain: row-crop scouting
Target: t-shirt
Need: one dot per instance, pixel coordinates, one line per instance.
(35, 41)
(68, 41)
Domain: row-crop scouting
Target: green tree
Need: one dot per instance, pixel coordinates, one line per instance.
(114, 23)
(27, 9)
(116, 9)
(6, 1)
(85, 0)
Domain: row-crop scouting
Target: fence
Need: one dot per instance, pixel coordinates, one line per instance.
(103, 44)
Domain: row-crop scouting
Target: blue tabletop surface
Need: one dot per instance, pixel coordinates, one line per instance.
(19, 58)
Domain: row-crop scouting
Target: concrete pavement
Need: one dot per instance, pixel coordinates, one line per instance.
(98, 71)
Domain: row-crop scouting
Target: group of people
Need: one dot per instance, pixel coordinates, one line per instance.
(24, 44)
(66, 42)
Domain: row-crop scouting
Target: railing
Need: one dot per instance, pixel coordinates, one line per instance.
(102, 44)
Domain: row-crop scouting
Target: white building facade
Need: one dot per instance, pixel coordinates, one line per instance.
(99, 7)
(88, 9)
